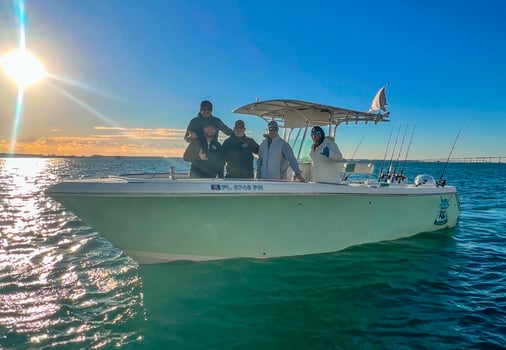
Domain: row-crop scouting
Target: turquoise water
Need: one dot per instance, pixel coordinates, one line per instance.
(64, 286)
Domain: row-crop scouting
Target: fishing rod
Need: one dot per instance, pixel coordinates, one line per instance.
(385, 156)
(356, 149)
(407, 151)
(442, 182)
(393, 151)
(400, 149)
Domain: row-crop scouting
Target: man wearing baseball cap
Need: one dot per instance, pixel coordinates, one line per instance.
(238, 152)
(195, 128)
(205, 154)
(274, 156)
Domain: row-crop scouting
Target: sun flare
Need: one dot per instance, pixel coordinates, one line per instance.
(23, 68)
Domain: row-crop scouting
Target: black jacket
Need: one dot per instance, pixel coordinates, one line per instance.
(197, 125)
(238, 153)
(210, 168)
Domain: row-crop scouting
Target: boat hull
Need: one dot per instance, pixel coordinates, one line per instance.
(282, 219)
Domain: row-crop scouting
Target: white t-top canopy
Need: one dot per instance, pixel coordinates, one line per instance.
(301, 114)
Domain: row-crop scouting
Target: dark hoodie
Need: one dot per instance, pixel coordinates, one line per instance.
(238, 153)
(322, 133)
(197, 125)
(210, 168)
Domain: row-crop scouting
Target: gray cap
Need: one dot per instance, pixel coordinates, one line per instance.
(272, 124)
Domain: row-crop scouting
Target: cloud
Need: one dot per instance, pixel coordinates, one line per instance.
(142, 133)
(108, 141)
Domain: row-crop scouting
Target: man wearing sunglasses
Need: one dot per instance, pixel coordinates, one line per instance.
(274, 156)
(195, 129)
(325, 156)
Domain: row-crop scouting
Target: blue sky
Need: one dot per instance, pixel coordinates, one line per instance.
(147, 65)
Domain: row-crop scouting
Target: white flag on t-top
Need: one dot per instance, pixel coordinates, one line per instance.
(380, 101)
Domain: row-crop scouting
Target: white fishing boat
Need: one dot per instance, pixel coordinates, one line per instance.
(155, 218)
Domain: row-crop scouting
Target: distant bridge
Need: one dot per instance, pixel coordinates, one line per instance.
(482, 159)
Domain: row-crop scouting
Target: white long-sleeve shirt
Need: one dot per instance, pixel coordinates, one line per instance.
(323, 168)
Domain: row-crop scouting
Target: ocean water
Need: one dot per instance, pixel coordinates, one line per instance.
(64, 286)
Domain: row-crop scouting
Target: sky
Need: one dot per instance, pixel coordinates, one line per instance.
(127, 76)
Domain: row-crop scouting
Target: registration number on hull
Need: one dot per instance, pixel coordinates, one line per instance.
(237, 187)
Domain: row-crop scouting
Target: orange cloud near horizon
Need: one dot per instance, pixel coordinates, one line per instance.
(115, 141)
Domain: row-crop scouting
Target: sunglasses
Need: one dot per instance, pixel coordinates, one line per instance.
(206, 109)
(272, 128)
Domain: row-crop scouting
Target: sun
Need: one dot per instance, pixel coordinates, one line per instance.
(23, 68)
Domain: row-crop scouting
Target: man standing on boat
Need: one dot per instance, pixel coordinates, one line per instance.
(274, 156)
(238, 152)
(325, 156)
(205, 154)
(195, 128)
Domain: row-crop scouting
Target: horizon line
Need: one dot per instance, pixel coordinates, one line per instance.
(475, 159)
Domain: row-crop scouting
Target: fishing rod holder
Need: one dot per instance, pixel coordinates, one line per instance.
(172, 173)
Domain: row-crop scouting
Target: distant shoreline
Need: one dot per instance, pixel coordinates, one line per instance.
(22, 155)
(483, 159)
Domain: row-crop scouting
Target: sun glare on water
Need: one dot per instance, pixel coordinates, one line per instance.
(23, 68)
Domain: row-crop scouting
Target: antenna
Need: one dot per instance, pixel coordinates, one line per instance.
(442, 182)
(356, 149)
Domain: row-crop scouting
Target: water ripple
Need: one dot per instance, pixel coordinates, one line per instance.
(49, 295)
(63, 286)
